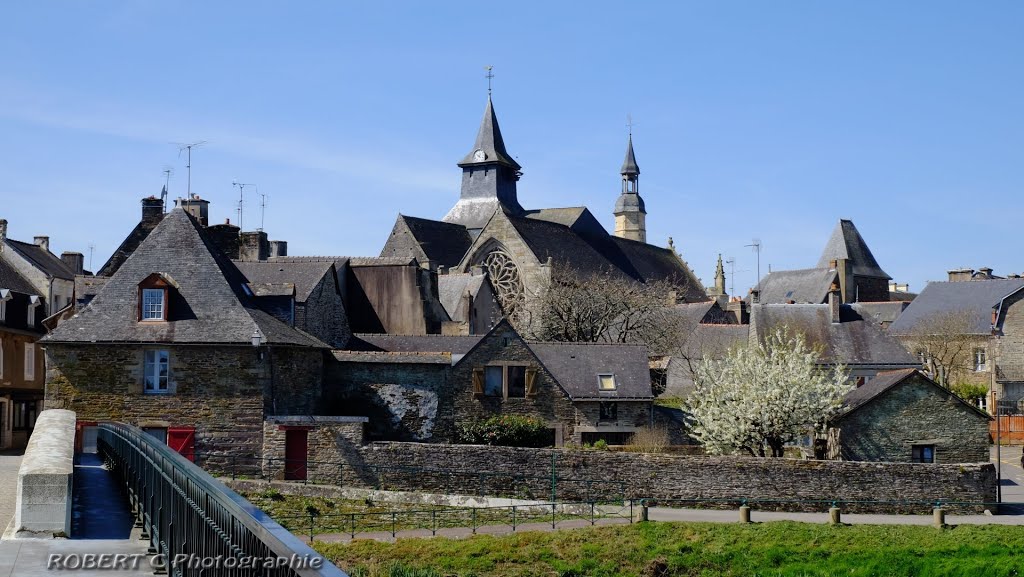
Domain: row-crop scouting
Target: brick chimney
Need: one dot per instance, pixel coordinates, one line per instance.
(278, 248)
(3, 232)
(225, 237)
(253, 246)
(42, 242)
(152, 210)
(74, 260)
(960, 274)
(834, 302)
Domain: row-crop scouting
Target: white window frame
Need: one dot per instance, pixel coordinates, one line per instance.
(980, 360)
(152, 359)
(1, 359)
(30, 361)
(146, 311)
(3, 310)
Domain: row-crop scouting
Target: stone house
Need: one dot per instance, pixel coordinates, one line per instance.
(428, 386)
(970, 329)
(176, 342)
(21, 360)
(903, 416)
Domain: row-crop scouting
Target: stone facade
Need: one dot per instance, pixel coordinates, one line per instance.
(329, 441)
(1006, 351)
(223, 392)
(323, 314)
(914, 412)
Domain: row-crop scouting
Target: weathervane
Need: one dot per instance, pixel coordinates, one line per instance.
(489, 76)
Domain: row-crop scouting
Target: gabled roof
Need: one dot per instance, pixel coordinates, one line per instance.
(881, 312)
(42, 259)
(442, 242)
(451, 289)
(809, 285)
(853, 341)
(975, 298)
(576, 366)
(846, 242)
(885, 381)
(303, 276)
(489, 139)
(213, 307)
(12, 280)
(654, 263)
(453, 344)
(566, 248)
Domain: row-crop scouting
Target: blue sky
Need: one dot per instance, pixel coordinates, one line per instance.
(766, 120)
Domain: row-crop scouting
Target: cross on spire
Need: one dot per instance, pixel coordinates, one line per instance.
(629, 123)
(489, 76)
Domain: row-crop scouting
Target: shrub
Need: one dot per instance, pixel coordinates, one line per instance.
(271, 494)
(505, 430)
(649, 440)
(601, 445)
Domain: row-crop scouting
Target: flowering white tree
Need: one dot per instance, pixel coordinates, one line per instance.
(761, 396)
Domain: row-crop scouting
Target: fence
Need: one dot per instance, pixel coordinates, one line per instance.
(1009, 429)
(548, 486)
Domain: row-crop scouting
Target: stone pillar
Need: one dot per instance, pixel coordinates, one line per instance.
(835, 516)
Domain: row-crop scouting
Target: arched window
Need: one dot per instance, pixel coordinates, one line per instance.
(505, 278)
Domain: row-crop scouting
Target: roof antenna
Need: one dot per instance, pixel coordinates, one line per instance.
(489, 76)
(167, 184)
(92, 247)
(241, 198)
(263, 209)
(756, 244)
(188, 146)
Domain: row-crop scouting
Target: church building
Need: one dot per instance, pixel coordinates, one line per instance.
(523, 250)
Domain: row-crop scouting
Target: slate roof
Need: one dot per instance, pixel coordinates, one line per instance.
(809, 285)
(386, 357)
(853, 341)
(846, 242)
(567, 216)
(453, 344)
(629, 166)
(558, 242)
(489, 139)
(886, 380)
(654, 263)
(443, 242)
(213, 307)
(12, 280)
(714, 340)
(42, 259)
(885, 312)
(576, 366)
(452, 287)
(978, 298)
(304, 276)
(126, 248)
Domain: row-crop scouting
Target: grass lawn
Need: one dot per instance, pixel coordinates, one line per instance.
(698, 549)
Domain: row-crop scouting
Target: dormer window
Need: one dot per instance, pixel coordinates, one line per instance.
(153, 298)
(606, 382)
(33, 302)
(5, 295)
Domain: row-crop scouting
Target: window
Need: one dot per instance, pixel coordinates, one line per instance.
(609, 411)
(606, 382)
(980, 361)
(155, 371)
(30, 361)
(3, 310)
(922, 453)
(24, 415)
(158, 433)
(504, 381)
(153, 304)
(1, 359)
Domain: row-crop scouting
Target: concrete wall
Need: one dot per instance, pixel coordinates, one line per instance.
(43, 506)
(914, 412)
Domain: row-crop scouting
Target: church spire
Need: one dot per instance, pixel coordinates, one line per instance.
(630, 214)
(719, 277)
(489, 176)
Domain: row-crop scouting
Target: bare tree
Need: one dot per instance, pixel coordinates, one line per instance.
(608, 308)
(946, 343)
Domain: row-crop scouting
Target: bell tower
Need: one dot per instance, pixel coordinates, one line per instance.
(630, 215)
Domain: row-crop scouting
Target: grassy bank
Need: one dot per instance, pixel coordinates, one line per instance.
(698, 549)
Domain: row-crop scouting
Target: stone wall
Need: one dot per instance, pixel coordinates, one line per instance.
(914, 412)
(323, 314)
(329, 441)
(1008, 351)
(592, 474)
(223, 392)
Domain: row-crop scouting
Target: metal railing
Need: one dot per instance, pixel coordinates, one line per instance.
(195, 525)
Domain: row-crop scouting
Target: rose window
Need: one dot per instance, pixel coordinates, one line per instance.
(504, 275)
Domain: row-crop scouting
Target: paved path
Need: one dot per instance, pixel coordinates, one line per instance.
(10, 462)
(30, 557)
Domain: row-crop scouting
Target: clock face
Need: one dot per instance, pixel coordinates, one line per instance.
(479, 155)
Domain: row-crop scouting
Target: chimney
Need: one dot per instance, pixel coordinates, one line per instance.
(755, 296)
(278, 248)
(3, 232)
(834, 300)
(197, 207)
(985, 272)
(74, 260)
(960, 274)
(152, 210)
(253, 246)
(42, 242)
(225, 238)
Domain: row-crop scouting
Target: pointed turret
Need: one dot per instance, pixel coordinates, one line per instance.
(630, 214)
(489, 176)
(719, 277)
(861, 278)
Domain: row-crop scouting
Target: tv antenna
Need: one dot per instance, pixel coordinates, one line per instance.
(241, 198)
(188, 146)
(92, 248)
(263, 209)
(756, 245)
(167, 183)
(732, 274)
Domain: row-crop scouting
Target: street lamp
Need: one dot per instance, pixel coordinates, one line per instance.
(257, 339)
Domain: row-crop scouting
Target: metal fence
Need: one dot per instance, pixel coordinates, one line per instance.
(195, 525)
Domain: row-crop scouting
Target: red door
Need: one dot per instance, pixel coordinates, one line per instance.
(183, 440)
(295, 454)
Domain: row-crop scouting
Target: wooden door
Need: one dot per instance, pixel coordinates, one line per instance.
(295, 448)
(183, 440)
